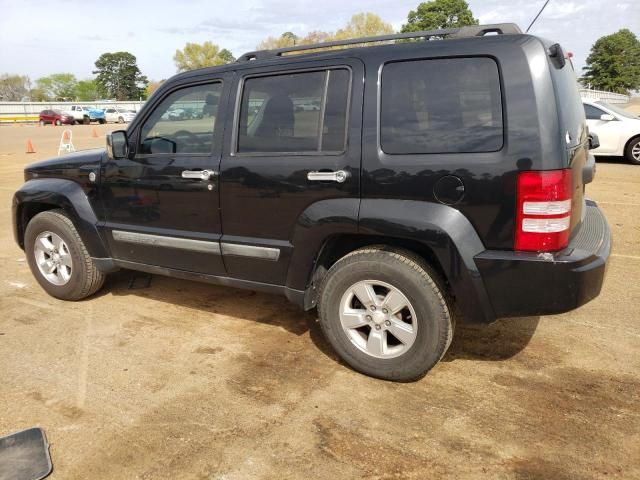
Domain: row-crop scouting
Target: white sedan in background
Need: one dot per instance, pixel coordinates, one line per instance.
(618, 130)
(118, 114)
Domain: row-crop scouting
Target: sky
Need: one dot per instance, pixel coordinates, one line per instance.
(41, 37)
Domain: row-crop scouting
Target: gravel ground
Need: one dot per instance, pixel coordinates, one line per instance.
(186, 380)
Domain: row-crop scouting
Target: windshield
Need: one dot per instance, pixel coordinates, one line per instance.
(620, 111)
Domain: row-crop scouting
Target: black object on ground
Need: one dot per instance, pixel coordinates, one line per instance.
(25, 455)
(139, 281)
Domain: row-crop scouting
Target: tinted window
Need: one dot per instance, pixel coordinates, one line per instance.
(283, 113)
(592, 112)
(335, 112)
(441, 106)
(183, 122)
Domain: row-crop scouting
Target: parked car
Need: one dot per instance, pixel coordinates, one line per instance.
(173, 113)
(191, 113)
(618, 130)
(435, 186)
(55, 117)
(86, 114)
(118, 115)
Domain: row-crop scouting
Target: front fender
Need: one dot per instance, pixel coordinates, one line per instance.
(447, 233)
(66, 195)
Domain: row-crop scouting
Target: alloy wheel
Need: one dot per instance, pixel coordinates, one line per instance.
(53, 258)
(378, 319)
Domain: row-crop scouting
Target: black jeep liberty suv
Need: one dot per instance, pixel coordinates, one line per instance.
(395, 186)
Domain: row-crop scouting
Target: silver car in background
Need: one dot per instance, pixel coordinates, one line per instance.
(119, 115)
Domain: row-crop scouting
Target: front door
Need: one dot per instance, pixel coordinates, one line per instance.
(161, 203)
(293, 167)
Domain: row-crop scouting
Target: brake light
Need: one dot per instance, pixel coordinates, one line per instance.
(543, 212)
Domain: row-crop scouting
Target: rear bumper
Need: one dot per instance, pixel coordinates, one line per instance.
(527, 284)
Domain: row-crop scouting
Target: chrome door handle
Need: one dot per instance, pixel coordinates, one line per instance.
(339, 176)
(199, 174)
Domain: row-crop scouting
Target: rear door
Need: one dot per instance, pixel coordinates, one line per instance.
(295, 147)
(161, 203)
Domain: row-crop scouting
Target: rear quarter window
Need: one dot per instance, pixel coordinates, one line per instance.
(448, 105)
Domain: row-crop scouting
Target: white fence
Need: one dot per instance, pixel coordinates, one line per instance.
(608, 97)
(28, 111)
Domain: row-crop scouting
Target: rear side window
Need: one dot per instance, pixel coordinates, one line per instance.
(295, 113)
(441, 106)
(592, 113)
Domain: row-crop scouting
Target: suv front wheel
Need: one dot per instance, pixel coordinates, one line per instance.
(384, 313)
(58, 259)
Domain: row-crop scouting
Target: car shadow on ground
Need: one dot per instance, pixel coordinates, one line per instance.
(611, 159)
(249, 305)
(498, 341)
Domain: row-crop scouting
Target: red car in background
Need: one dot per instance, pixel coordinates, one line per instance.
(56, 117)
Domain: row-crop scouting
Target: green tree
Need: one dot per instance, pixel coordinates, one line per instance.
(614, 63)
(119, 77)
(364, 25)
(152, 87)
(359, 25)
(439, 14)
(13, 88)
(201, 55)
(87, 91)
(59, 86)
(38, 95)
(292, 37)
(287, 39)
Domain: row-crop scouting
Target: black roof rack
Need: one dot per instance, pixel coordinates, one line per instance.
(461, 32)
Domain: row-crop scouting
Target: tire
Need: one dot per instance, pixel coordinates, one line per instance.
(634, 144)
(86, 120)
(427, 321)
(102, 121)
(120, 120)
(42, 123)
(84, 279)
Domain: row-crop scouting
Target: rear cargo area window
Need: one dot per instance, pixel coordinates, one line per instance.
(295, 113)
(441, 106)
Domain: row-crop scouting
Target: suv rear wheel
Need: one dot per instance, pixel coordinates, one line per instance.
(384, 313)
(58, 259)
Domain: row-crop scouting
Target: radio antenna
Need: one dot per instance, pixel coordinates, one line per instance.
(536, 18)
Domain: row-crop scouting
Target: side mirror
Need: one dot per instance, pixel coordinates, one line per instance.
(117, 144)
(606, 117)
(594, 141)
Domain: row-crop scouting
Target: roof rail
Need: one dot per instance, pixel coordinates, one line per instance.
(461, 32)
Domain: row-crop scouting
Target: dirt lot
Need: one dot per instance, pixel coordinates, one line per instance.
(185, 380)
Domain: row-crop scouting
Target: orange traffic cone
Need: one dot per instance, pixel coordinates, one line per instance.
(30, 147)
(94, 134)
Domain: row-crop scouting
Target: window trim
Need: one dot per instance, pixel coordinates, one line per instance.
(603, 112)
(381, 152)
(138, 141)
(326, 68)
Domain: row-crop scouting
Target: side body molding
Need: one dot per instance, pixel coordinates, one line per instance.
(66, 195)
(447, 233)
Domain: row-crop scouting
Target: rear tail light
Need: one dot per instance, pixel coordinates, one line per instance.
(543, 210)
